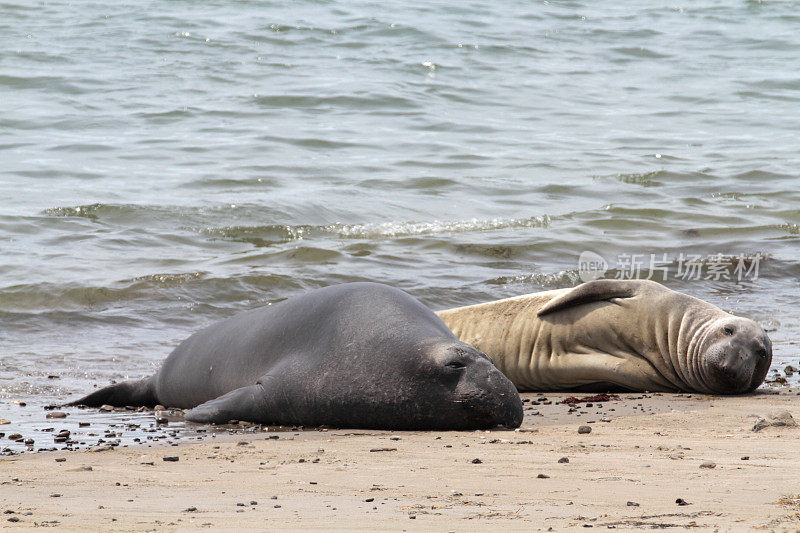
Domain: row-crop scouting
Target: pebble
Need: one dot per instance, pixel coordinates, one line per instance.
(60, 459)
(543, 476)
(564, 460)
(746, 458)
(106, 407)
(370, 500)
(383, 449)
(584, 429)
(55, 495)
(476, 461)
(632, 504)
(56, 414)
(13, 519)
(190, 509)
(681, 501)
(3, 421)
(708, 464)
(171, 458)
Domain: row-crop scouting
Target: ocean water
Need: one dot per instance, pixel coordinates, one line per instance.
(165, 165)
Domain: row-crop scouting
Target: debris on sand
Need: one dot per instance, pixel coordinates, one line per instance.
(598, 398)
(782, 419)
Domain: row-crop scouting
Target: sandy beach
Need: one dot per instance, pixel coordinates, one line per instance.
(644, 454)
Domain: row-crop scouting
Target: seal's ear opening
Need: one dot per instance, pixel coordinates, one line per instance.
(592, 291)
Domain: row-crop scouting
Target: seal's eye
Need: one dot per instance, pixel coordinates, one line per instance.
(728, 330)
(455, 364)
(761, 352)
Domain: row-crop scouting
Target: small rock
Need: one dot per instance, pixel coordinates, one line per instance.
(564, 460)
(383, 449)
(632, 504)
(253, 502)
(681, 501)
(476, 461)
(56, 414)
(543, 476)
(412, 516)
(190, 509)
(159, 407)
(13, 519)
(106, 407)
(3, 421)
(708, 464)
(370, 500)
(60, 459)
(782, 419)
(745, 458)
(676, 456)
(55, 495)
(171, 458)
(584, 429)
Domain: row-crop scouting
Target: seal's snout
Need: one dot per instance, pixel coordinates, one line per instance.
(739, 359)
(508, 403)
(495, 398)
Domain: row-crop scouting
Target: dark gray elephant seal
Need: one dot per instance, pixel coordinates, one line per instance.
(605, 334)
(354, 355)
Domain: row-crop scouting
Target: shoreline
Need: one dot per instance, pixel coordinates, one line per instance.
(649, 453)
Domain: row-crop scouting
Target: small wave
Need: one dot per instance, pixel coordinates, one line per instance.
(538, 281)
(271, 234)
(402, 229)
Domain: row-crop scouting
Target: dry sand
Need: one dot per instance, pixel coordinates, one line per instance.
(643, 449)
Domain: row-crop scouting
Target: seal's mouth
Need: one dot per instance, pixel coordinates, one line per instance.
(494, 408)
(736, 369)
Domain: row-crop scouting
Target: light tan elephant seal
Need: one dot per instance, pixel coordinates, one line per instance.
(612, 334)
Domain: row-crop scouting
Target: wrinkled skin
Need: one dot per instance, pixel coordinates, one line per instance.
(608, 334)
(353, 355)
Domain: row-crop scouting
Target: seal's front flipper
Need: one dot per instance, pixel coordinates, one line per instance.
(247, 403)
(592, 291)
(135, 393)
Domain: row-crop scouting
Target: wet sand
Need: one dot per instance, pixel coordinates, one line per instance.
(643, 453)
